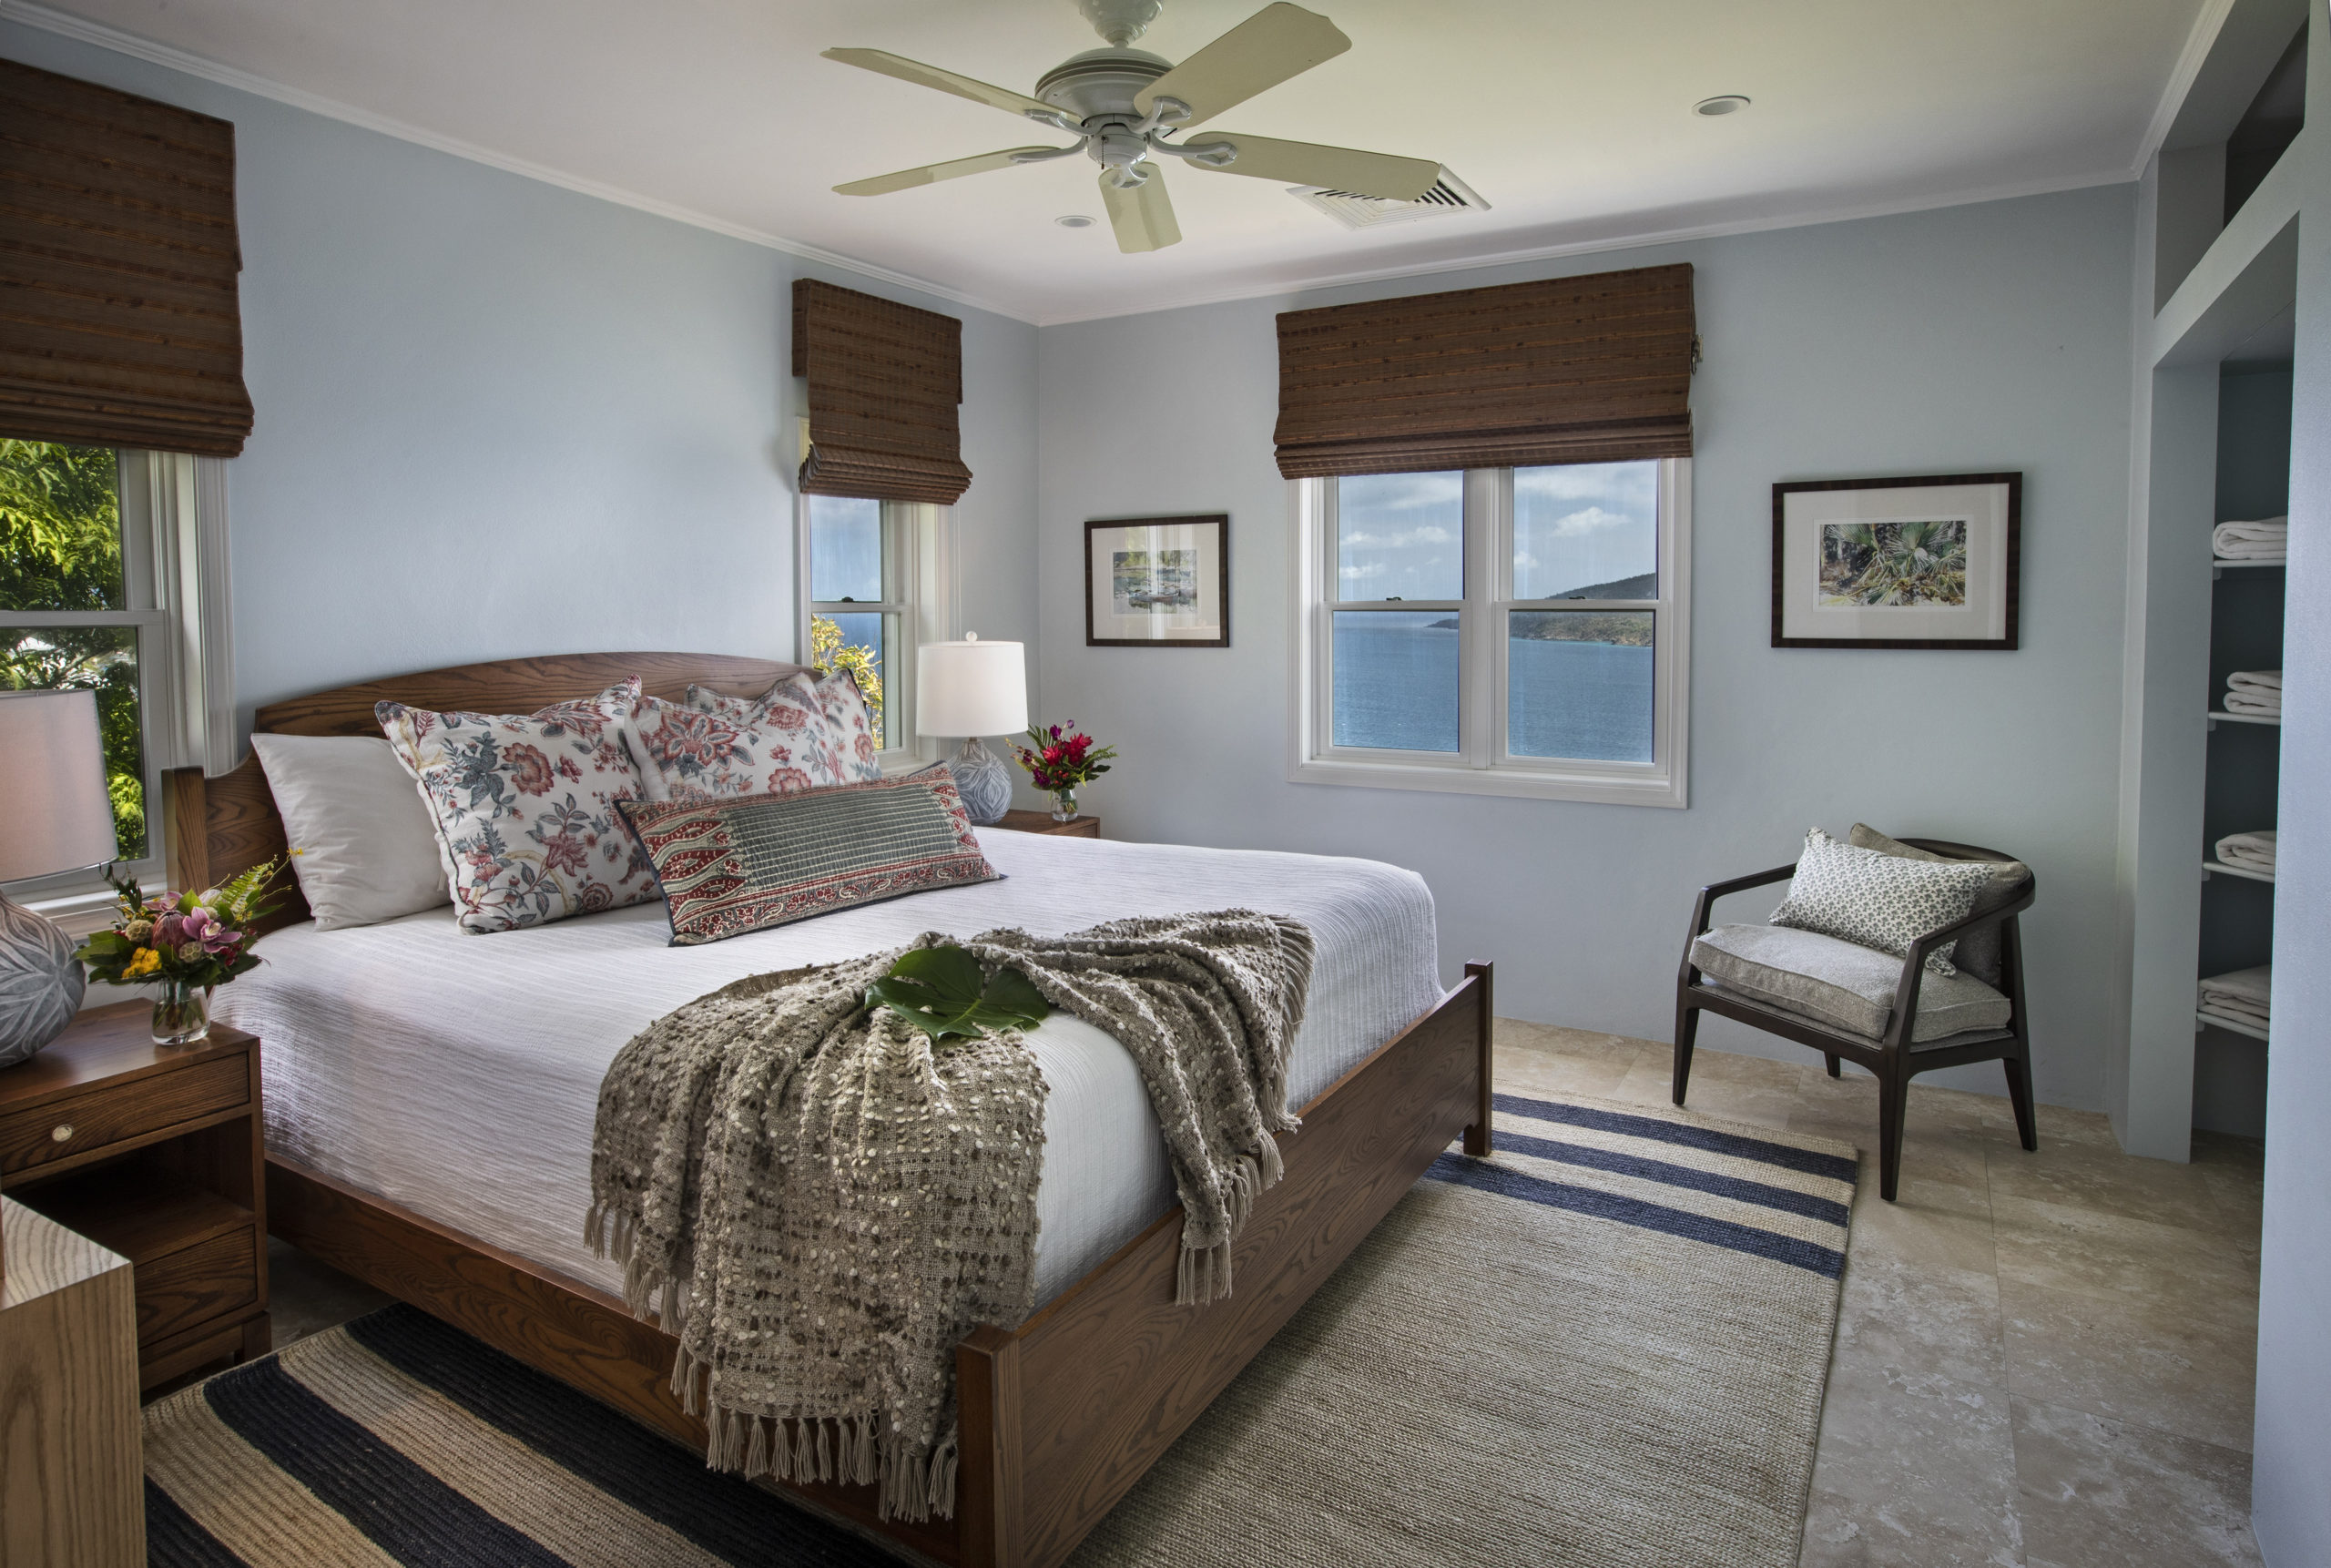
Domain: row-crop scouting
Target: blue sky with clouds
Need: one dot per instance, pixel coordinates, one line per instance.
(1580, 523)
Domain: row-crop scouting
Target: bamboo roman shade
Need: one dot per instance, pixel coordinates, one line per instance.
(1566, 370)
(884, 383)
(119, 322)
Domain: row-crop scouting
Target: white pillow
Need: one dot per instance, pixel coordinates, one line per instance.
(362, 844)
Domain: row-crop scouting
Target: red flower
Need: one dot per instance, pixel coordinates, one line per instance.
(565, 853)
(530, 770)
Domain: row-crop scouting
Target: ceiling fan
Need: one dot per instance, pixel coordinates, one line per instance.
(1122, 105)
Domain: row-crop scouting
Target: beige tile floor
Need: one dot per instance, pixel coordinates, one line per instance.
(2042, 1359)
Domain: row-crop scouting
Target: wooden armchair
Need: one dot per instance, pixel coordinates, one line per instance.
(1894, 1048)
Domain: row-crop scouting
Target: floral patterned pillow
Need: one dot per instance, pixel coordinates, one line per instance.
(714, 746)
(525, 807)
(850, 728)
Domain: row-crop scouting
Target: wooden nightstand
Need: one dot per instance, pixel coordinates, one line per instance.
(156, 1153)
(1086, 826)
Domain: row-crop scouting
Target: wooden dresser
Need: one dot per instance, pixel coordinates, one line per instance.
(156, 1153)
(1081, 827)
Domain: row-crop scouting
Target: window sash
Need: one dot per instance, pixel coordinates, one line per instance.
(1484, 761)
(918, 587)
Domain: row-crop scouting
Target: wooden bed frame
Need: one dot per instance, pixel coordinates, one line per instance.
(1060, 1416)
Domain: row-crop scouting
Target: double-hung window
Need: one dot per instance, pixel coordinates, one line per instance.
(876, 577)
(113, 580)
(1508, 631)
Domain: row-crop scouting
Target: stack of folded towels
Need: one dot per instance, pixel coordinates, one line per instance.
(2251, 851)
(2267, 539)
(2254, 691)
(2241, 995)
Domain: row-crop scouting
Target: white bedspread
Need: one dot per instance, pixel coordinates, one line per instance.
(459, 1075)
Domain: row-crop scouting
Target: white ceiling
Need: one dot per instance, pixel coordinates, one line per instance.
(1573, 117)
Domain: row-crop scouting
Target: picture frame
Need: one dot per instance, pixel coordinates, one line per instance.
(1933, 562)
(1157, 582)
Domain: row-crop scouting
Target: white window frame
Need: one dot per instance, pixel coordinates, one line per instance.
(175, 595)
(1481, 765)
(920, 550)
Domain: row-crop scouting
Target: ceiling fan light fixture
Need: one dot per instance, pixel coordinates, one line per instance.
(1073, 221)
(1722, 104)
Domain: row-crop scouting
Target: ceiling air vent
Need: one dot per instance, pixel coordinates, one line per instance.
(1448, 196)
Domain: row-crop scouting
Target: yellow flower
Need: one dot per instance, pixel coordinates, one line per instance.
(146, 962)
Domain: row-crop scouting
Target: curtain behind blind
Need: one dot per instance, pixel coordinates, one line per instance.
(119, 320)
(885, 380)
(1565, 370)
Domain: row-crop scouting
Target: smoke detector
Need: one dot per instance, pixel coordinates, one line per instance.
(1448, 196)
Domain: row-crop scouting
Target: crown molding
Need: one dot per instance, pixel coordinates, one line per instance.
(1635, 241)
(2190, 61)
(82, 30)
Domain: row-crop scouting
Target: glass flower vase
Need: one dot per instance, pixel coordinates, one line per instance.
(181, 1014)
(1064, 805)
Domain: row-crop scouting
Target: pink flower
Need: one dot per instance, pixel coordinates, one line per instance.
(530, 770)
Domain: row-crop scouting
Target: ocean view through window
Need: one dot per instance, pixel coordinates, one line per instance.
(1515, 631)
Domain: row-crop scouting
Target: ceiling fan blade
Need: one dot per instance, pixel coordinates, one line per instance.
(932, 173)
(924, 75)
(1144, 215)
(1377, 174)
(1275, 43)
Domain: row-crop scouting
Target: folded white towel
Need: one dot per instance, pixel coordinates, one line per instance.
(2244, 992)
(2250, 541)
(2251, 851)
(2256, 680)
(2254, 691)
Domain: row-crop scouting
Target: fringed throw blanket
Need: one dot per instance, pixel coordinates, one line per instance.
(821, 1201)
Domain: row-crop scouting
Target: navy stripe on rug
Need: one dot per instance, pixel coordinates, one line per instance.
(173, 1540)
(1482, 1175)
(400, 1507)
(1739, 1188)
(645, 1471)
(1682, 1134)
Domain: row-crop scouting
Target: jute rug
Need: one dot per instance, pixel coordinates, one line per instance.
(1605, 1346)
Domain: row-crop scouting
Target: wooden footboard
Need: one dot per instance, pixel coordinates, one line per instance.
(1060, 1416)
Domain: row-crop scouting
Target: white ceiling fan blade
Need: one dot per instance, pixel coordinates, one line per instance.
(1377, 174)
(924, 75)
(932, 173)
(1143, 216)
(1275, 43)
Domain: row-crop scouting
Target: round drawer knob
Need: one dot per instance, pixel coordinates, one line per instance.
(63, 1134)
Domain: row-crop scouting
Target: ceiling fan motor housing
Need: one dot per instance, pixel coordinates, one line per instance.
(1101, 82)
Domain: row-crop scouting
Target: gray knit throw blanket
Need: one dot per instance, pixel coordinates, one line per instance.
(821, 1201)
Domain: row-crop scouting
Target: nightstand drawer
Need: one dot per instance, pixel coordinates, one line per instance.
(30, 1139)
(183, 1289)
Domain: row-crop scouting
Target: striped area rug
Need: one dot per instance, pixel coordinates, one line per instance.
(1604, 1346)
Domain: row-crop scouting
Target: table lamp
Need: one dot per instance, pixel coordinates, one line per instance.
(54, 815)
(972, 689)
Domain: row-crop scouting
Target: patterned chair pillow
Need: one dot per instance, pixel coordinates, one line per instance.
(525, 807)
(1979, 950)
(1879, 901)
(851, 726)
(731, 866)
(713, 746)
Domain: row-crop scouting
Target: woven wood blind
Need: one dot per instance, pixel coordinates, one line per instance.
(119, 323)
(1567, 370)
(885, 380)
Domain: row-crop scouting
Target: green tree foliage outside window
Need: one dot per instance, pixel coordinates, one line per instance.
(60, 549)
(828, 653)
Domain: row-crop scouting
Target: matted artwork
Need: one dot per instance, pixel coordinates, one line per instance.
(1927, 562)
(1157, 582)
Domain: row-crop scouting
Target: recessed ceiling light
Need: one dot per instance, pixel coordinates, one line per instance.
(1073, 221)
(1726, 104)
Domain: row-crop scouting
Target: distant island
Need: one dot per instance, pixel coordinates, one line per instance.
(1622, 629)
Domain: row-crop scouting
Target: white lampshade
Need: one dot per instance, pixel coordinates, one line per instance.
(55, 814)
(970, 687)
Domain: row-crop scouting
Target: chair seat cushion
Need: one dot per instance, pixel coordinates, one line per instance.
(1842, 983)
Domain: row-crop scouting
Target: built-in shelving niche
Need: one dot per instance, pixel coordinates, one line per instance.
(2237, 926)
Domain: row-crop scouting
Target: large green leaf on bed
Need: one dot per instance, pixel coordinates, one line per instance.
(942, 991)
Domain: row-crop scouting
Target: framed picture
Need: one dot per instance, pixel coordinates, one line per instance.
(1157, 582)
(1931, 563)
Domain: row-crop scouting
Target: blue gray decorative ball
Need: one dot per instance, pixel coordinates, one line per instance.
(40, 982)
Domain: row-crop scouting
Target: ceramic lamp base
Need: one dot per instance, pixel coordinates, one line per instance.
(981, 781)
(41, 983)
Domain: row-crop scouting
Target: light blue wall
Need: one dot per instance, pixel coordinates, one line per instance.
(1972, 339)
(499, 418)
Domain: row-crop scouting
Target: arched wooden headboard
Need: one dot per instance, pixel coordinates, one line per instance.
(219, 827)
